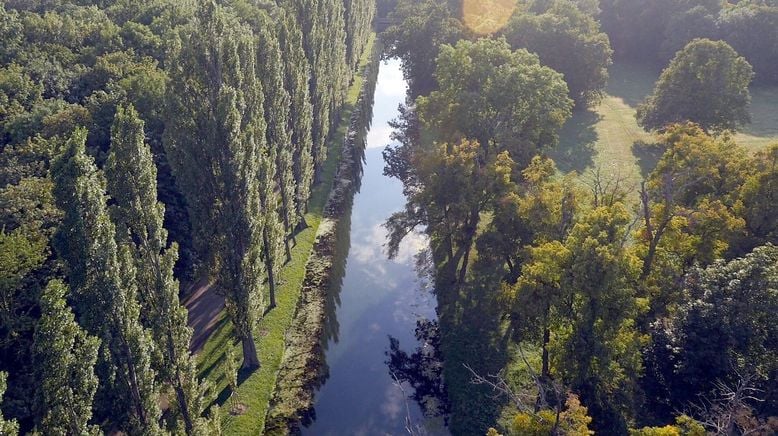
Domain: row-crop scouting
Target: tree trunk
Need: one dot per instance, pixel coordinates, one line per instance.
(271, 282)
(250, 358)
(288, 250)
(465, 260)
(545, 373)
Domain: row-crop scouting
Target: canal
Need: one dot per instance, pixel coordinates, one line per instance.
(383, 372)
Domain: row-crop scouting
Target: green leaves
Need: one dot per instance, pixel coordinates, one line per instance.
(64, 357)
(216, 141)
(504, 99)
(706, 83)
(102, 279)
(569, 41)
(132, 180)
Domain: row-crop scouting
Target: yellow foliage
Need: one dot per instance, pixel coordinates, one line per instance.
(573, 421)
(685, 426)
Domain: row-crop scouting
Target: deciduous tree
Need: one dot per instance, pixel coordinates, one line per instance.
(132, 182)
(216, 142)
(102, 279)
(64, 358)
(706, 83)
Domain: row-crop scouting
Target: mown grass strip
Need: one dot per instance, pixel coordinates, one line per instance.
(254, 392)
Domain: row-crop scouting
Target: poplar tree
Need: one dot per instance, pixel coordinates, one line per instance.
(132, 182)
(339, 74)
(359, 17)
(215, 141)
(102, 280)
(64, 356)
(277, 198)
(297, 72)
(310, 15)
(9, 427)
(277, 115)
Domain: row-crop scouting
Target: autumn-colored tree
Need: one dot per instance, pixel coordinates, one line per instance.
(688, 205)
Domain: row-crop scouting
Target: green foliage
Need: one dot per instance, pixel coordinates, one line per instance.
(139, 217)
(296, 73)
(750, 27)
(103, 286)
(597, 347)
(9, 427)
(420, 28)
(324, 39)
(654, 31)
(706, 83)
(216, 145)
(569, 41)
(19, 256)
(540, 209)
(504, 99)
(758, 196)
(65, 357)
(724, 328)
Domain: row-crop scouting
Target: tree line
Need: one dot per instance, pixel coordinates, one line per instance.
(142, 145)
(655, 31)
(638, 307)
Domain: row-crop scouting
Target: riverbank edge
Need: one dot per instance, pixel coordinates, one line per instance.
(255, 392)
(303, 366)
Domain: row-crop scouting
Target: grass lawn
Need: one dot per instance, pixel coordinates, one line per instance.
(255, 389)
(608, 137)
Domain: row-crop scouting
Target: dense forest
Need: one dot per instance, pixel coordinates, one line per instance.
(145, 144)
(593, 304)
(150, 146)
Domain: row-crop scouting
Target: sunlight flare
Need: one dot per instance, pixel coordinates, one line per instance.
(486, 17)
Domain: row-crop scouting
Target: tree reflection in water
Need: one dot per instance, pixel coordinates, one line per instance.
(422, 370)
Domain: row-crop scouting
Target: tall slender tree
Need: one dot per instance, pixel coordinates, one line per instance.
(64, 356)
(277, 198)
(297, 72)
(277, 114)
(102, 280)
(215, 141)
(324, 39)
(132, 182)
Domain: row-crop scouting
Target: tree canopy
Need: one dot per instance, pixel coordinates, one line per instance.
(706, 83)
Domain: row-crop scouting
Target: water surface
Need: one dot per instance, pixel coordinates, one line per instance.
(381, 319)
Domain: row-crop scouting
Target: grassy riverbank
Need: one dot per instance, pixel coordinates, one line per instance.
(255, 390)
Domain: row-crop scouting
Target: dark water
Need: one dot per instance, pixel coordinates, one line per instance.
(381, 327)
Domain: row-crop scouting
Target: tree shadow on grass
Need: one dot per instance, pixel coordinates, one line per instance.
(647, 155)
(764, 112)
(632, 81)
(577, 138)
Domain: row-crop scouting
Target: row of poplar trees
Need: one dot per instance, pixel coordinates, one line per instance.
(254, 90)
